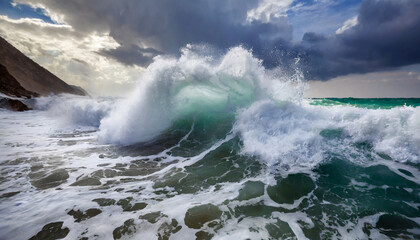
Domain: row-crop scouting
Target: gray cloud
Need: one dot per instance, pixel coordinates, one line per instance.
(164, 26)
(387, 36)
(132, 55)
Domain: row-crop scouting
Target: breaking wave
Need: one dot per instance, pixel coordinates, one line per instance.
(198, 83)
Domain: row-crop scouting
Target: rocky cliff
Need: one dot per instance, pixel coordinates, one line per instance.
(30, 75)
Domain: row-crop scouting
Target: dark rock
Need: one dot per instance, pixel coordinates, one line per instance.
(10, 86)
(104, 201)
(395, 222)
(196, 217)
(251, 190)
(8, 194)
(152, 217)
(166, 229)
(13, 105)
(107, 173)
(80, 216)
(87, 181)
(201, 235)
(125, 202)
(51, 231)
(138, 206)
(56, 178)
(35, 168)
(126, 205)
(126, 229)
(280, 230)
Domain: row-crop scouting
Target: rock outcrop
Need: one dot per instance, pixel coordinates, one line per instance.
(11, 87)
(13, 105)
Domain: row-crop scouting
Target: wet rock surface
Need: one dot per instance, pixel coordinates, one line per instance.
(51, 231)
(9, 194)
(196, 217)
(167, 229)
(202, 235)
(152, 217)
(126, 229)
(127, 205)
(54, 179)
(13, 105)
(87, 181)
(81, 216)
(10, 86)
(104, 201)
(251, 190)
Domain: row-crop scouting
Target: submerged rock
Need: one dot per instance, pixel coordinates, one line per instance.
(167, 229)
(251, 190)
(104, 201)
(126, 229)
(289, 189)
(54, 179)
(138, 206)
(202, 235)
(152, 217)
(107, 173)
(8, 194)
(80, 216)
(280, 230)
(51, 231)
(87, 181)
(126, 205)
(196, 217)
(395, 222)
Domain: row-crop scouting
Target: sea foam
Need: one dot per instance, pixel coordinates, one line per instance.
(300, 136)
(71, 110)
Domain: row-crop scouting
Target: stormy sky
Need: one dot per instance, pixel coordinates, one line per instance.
(104, 45)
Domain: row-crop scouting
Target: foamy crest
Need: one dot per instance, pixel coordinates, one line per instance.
(295, 136)
(395, 132)
(281, 134)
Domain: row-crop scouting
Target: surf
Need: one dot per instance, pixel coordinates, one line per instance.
(199, 83)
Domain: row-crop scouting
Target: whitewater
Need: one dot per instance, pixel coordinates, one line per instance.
(211, 145)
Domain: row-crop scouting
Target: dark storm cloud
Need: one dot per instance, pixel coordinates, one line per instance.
(387, 35)
(166, 25)
(132, 55)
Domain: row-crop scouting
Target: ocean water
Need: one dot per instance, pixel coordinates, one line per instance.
(211, 146)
